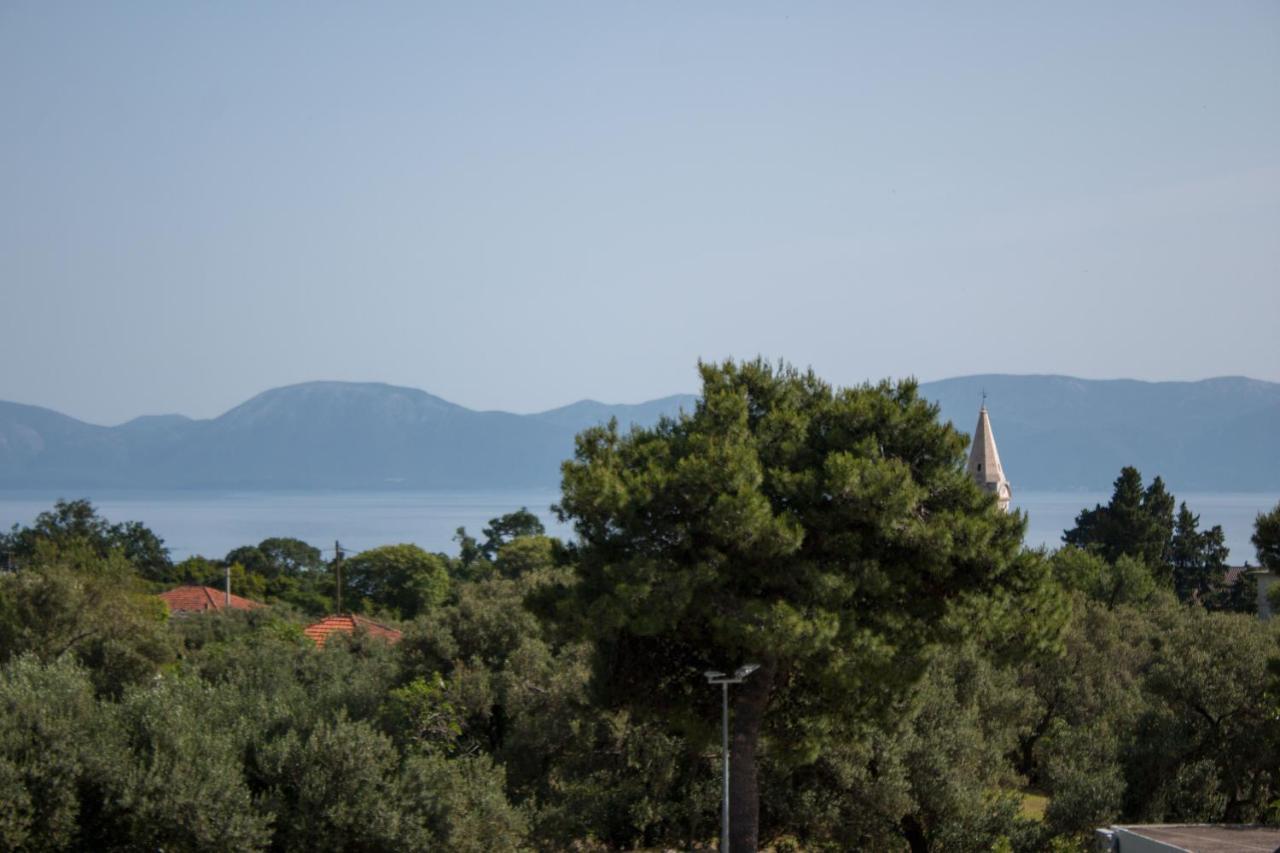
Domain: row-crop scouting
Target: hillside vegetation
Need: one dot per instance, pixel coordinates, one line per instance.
(919, 670)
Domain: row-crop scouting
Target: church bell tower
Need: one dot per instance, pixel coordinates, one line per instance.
(984, 460)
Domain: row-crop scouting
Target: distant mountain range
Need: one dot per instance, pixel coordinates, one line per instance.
(1056, 432)
(1053, 432)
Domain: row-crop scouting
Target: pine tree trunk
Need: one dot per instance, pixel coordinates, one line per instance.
(750, 700)
(913, 832)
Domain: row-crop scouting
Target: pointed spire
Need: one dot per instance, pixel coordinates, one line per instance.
(984, 460)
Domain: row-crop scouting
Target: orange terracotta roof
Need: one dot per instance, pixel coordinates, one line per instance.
(347, 624)
(195, 599)
(1234, 573)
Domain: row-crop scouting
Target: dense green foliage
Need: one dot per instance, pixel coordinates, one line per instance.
(402, 579)
(1141, 546)
(76, 522)
(1115, 689)
(1136, 523)
(1266, 538)
(68, 602)
(832, 537)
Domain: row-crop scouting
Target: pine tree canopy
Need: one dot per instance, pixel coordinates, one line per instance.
(830, 535)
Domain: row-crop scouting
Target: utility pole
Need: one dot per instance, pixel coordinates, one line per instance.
(337, 565)
(228, 599)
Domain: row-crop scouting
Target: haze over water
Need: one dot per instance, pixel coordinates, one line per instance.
(213, 523)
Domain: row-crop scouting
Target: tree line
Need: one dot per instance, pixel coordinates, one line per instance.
(926, 683)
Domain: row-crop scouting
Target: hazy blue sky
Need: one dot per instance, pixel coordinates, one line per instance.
(518, 205)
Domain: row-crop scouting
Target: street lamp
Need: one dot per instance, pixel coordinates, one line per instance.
(714, 677)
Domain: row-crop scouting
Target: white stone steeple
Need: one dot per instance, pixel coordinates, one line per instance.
(984, 460)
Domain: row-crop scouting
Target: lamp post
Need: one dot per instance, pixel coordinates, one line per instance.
(714, 677)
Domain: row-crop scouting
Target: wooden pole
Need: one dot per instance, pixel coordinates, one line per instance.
(337, 564)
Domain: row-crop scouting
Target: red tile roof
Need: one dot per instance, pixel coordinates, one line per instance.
(1233, 574)
(195, 599)
(347, 624)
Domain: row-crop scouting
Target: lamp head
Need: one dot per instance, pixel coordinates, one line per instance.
(711, 674)
(745, 670)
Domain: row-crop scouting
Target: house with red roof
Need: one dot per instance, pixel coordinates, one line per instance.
(1264, 579)
(348, 623)
(197, 599)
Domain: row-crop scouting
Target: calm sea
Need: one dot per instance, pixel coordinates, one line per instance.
(213, 523)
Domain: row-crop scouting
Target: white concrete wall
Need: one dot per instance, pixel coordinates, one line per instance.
(1266, 581)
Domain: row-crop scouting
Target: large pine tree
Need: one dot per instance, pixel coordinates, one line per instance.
(830, 536)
